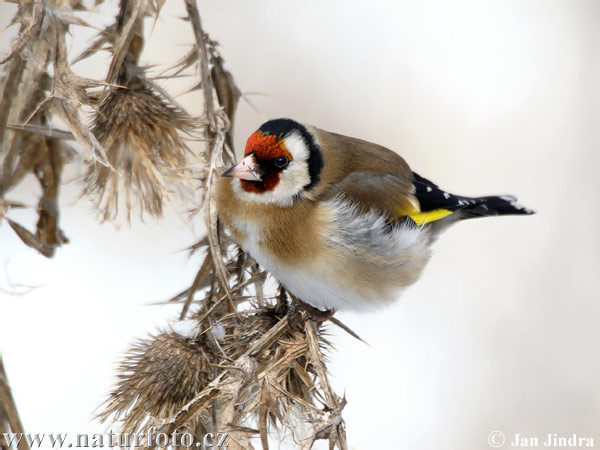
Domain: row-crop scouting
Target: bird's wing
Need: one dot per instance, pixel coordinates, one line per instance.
(390, 195)
(432, 197)
(396, 197)
(373, 177)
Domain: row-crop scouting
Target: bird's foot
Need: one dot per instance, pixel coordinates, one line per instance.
(298, 312)
(306, 312)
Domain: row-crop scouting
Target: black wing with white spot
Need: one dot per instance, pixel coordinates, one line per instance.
(432, 198)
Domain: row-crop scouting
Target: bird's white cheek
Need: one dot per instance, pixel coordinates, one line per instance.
(291, 183)
(293, 179)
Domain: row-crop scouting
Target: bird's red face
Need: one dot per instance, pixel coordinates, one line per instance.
(266, 157)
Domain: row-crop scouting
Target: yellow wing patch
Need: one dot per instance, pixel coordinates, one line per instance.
(421, 218)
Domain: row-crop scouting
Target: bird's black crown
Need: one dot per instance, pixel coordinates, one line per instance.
(284, 127)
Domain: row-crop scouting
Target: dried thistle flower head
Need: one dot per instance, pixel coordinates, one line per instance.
(245, 374)
(140, 132)
(158, 376)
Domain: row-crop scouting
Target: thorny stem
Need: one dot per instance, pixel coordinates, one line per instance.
(9, 416)
(194, 15)
(212, 220)
(15, 104)
(13, 78)
(130, 20)
(331, 397)
(215, 134)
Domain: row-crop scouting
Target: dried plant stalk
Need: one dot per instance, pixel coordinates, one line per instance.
(29, 98)
(9, 416)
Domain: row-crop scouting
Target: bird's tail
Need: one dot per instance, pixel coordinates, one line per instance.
(495, 205)
(472, 207)
(440, 209)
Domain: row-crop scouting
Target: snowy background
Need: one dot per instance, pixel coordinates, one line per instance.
(500, 333)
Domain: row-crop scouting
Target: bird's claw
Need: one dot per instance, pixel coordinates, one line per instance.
(306, 312)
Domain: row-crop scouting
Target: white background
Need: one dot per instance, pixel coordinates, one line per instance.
(500, 333)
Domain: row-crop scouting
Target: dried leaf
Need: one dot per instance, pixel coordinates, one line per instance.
(45, 131)
(25, 35)
(30, 239)
(132, 13)
(104, 37)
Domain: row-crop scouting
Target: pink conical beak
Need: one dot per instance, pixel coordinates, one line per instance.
(246, 169)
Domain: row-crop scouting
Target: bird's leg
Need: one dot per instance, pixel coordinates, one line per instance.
(317, 315)
(282, 308)
(307, 312)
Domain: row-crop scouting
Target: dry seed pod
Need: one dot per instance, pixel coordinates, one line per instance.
(140, 132)
(157, 377)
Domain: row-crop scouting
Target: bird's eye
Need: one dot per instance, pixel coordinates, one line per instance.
(282, 162)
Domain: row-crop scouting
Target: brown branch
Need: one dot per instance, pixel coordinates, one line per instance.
(194, 16)
(9, 416)
(336, 431)
(128, 27)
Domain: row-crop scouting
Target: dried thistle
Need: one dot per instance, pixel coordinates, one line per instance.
(158, 376)
(244, 374)
(147, 156)
(29, 96)
(138, 124)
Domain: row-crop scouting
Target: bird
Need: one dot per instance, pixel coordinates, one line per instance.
(341, 223)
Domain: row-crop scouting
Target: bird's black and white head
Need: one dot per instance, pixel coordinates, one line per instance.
(282, 163)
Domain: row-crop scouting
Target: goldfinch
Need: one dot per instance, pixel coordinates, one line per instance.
(341, 223)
